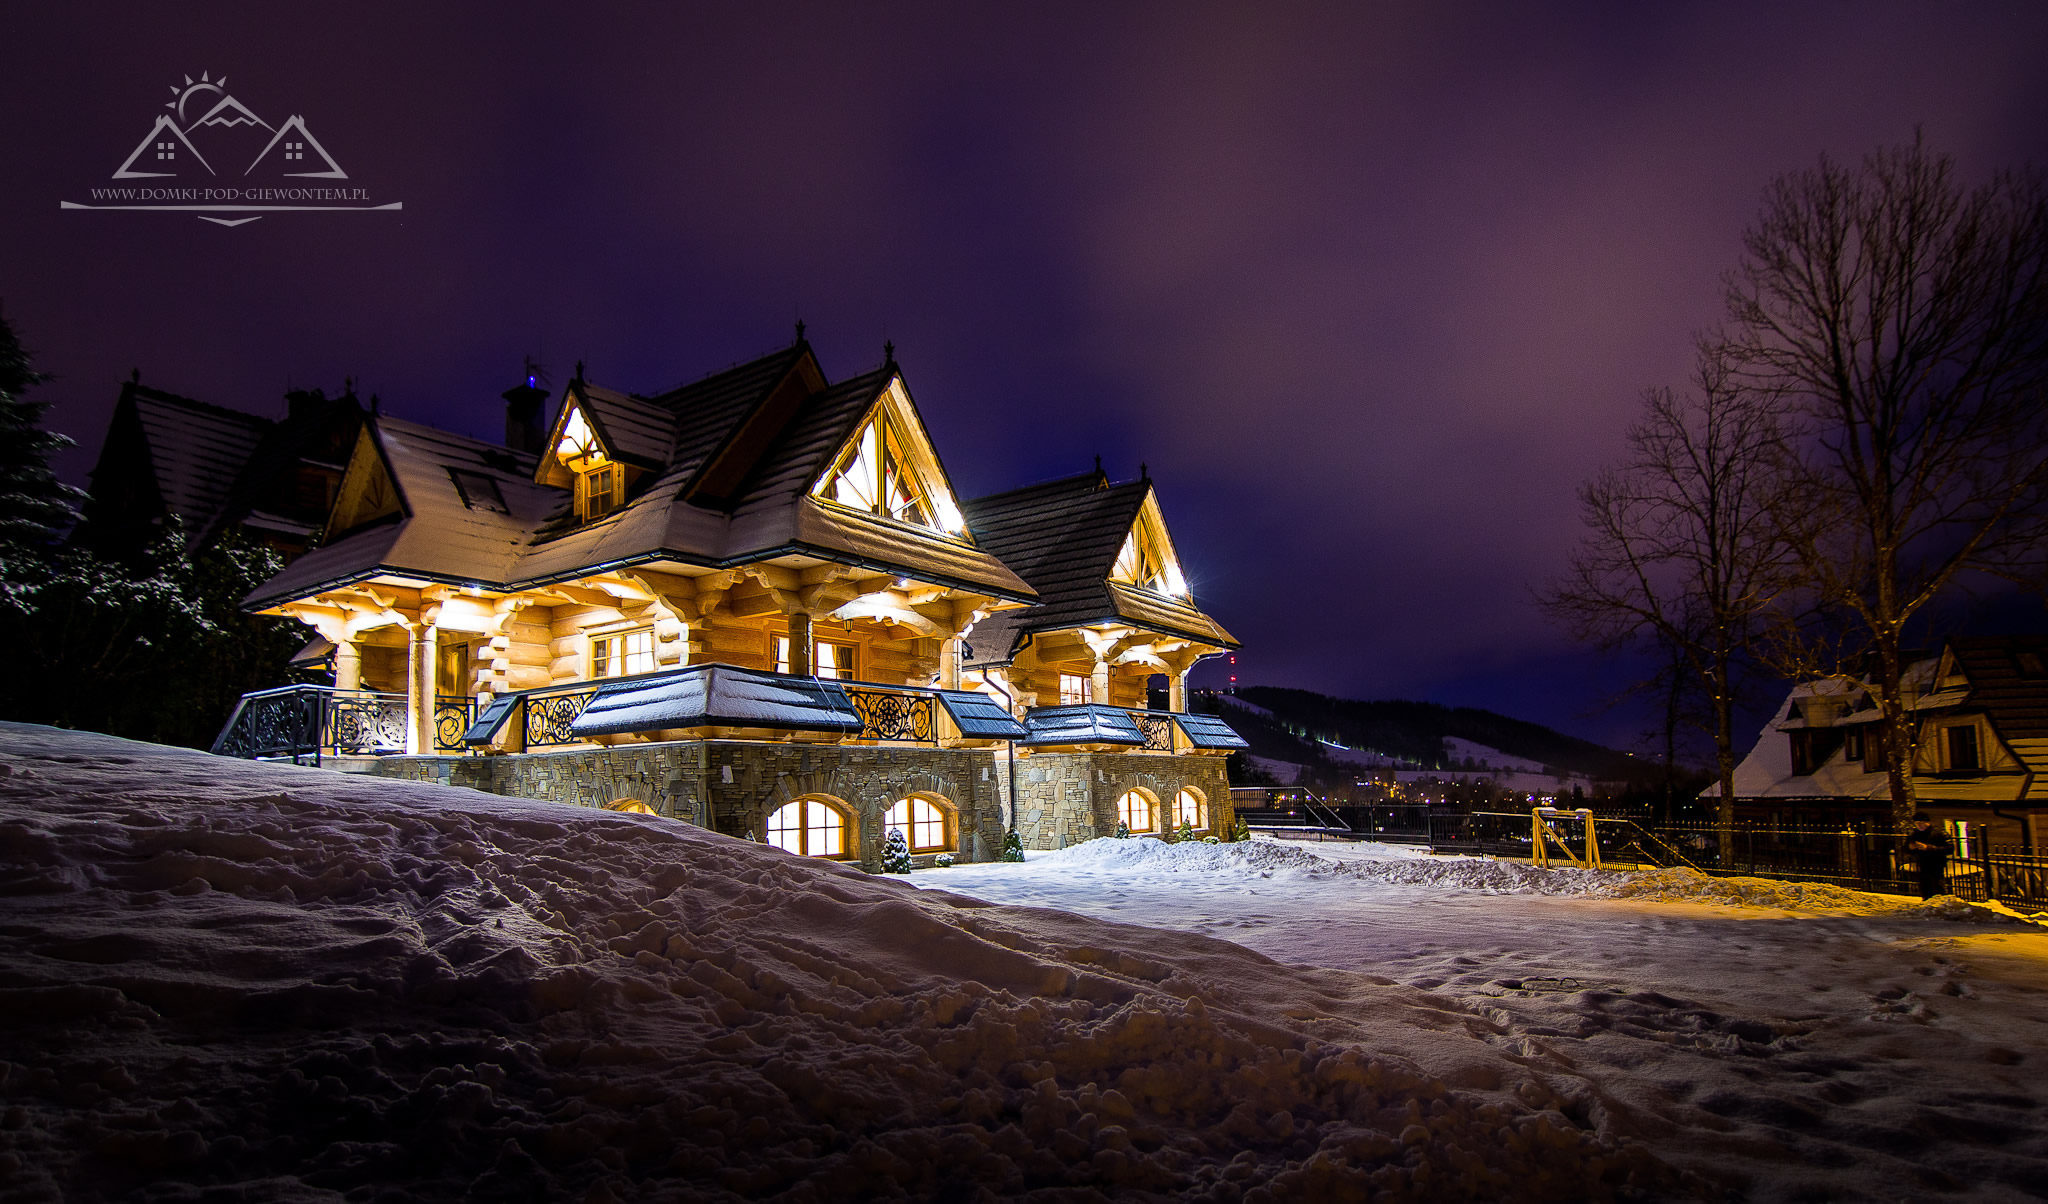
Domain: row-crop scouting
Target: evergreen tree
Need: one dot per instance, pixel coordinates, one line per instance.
(895, 853)
(1123, 830)
(35, 507)
(1187, 831)
(1240, 830)
(1013, 847)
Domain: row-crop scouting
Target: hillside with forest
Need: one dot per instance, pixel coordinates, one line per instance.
(1301, 727)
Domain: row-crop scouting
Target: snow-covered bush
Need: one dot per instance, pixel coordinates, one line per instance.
(1123, 830)
(1210, 840)
(1013, 848)
(1187, 831)
(943, 860)
(895, 853)
(1241, 830)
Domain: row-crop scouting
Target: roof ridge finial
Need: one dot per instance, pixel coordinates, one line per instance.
(1098, 464)
(579, 372)
(799, 330)
(134, 376)
(1144, 473)
(888, 352)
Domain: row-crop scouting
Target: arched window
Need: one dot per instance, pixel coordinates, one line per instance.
(1188, 809)
(1135, 810)
(810, 827)
(922, 822)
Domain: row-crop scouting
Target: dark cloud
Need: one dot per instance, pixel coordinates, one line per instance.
(1370, 289)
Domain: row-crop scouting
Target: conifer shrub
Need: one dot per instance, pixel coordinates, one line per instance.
(1123, 830)
(895, 853)
(1187, 831)
(943, 860)
(1013, 846)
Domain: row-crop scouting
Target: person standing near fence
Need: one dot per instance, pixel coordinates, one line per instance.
(1929, 847)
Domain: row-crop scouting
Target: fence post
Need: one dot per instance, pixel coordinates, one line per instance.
(1984, 861)
(1592, 838)
(1536, 836)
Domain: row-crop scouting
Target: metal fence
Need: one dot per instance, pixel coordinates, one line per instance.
(296, 722)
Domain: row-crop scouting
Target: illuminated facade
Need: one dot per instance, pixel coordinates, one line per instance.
(762, 566)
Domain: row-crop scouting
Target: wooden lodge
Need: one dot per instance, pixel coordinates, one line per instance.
(1980, 758)
(753, 602)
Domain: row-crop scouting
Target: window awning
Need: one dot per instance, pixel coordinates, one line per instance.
(717, 696)
(1208, 731)
(981, 717)
(1089, 723)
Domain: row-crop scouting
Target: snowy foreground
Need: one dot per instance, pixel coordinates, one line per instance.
(221, 980)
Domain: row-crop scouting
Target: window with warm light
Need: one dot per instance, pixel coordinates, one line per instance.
(874, 474)
(829, 658)
(1188, 810)
(597, 492)
(1145, 562)
(922, 823)
(810, 828)
(1134, 810)
(622, 653)
(1075, 690)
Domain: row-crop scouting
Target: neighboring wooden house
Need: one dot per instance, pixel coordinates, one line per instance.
(747, 602)
(1981, 707)
(218, 470)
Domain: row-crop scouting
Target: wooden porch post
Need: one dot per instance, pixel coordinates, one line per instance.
(1099, 690)
(348, 665)
(1177, 691)
(800, 644)
(419, 691)
(949, 663)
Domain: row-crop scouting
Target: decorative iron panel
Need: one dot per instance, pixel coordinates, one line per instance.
(277, 723)
(452, 717)
(549, 716)
(886, 715)
(1157, 730)
(361, 722)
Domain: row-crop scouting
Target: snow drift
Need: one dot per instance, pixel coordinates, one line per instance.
(240, 981)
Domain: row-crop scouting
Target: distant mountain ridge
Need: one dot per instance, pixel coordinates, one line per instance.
(1286, 725)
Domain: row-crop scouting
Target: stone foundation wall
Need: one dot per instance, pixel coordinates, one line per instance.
(732, 786)
(1066, 798)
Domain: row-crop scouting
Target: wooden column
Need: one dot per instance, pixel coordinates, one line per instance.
(419, 691)
(1177, 691)
(348, 665)
(1099, 691)
(800, 644)
(949, 664)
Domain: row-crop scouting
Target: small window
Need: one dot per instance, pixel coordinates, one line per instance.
(1875, 754)
(622, 653)
(1134, 811)
(1852, 744)
(810, 828)
(1188, 811)
(829, 658)
(597, 492)
(478, 492)
(1962, 747)
(1075, 690)
(922, 824)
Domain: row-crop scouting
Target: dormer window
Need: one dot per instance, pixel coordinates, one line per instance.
(875, 474)
(599, 486)
(1145, 564)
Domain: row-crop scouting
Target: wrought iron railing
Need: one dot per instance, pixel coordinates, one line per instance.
(315, 721)
(546, 715)
(1156, 728)
(895, 714)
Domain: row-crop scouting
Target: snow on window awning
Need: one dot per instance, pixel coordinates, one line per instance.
(717, 696)
(979, 716)
(1207, 731)
(1086, 724)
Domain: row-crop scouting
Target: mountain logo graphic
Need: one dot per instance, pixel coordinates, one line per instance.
(212, 156)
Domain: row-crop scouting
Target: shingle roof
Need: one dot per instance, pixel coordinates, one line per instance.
(1063, 537)
(196, 451)
(2015, 698)
(640, 431)
(772, 515)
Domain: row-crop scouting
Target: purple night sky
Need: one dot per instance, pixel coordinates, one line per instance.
(1370, 288)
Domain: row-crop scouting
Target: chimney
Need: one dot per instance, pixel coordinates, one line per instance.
(523, 403)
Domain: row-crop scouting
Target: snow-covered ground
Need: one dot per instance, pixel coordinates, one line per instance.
(1791, 1041)
(221, 980)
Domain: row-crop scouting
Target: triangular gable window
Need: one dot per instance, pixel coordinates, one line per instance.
(600, 481)
(1147, 560)
(879, 471)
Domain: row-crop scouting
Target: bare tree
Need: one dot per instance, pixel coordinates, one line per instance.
(1902, 324)
(1679, 548)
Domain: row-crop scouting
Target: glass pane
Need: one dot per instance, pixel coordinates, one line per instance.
(824, 831)
(640, 651)
(785, 828)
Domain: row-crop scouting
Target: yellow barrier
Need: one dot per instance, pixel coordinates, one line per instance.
(1541, 834)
